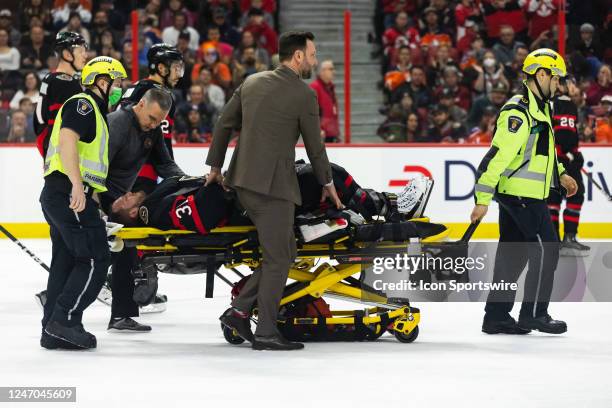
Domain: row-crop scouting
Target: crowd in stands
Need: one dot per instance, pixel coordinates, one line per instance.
(448, 66)
(223, 42)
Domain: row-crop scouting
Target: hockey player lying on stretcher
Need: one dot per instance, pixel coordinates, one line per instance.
(185, 203)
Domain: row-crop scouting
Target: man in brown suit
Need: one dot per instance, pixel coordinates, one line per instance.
(272, 109)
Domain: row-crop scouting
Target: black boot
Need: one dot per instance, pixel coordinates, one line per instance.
(508, 326)
(127, 324)
(274, 342)
(52, 343)
(75, 335)
(545, 324)
(239, 321)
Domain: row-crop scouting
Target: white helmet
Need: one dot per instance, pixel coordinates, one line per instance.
(413, 198)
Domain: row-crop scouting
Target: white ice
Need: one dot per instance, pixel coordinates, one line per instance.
(185, 362)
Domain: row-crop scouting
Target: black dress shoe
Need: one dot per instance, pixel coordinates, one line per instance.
(545, 324)
(236, 321)
(508, 326)
(127, 324)
(75, 335)
(274, 342)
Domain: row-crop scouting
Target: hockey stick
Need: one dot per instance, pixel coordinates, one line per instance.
(600, 188)
(24, 248)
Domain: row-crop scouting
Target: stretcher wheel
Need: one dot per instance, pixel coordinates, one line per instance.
(231, 336)
(407, 338)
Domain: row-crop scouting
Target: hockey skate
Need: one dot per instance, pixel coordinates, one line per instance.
(571, 247)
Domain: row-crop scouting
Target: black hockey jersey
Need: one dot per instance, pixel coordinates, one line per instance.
(55, 89)
(565, 118)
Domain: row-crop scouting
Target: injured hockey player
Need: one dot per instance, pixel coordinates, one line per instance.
(185, 203)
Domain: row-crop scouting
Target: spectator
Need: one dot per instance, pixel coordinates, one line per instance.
(51, 65)
(456, 113)
(505, 48)
(601, 87)
(413, 128)
(438, 64)
(394, 128)
(62, 15)
(170, 34)
(328, 102)
(18, 131)
(464, 44)
(264, 35)
(514, 72)
(603, 129)
(446, 17)
(248, 40)
(257, 4)
(75, 25)
(116, 19)
(227, 33)
(503, 12)
(248, 65)
(197, 102)
(222, 75)
(588, 46)
(176, 7)
(399, 35)
(491, 72)
(465, 12)
(189, 56)
(417, 89)
(100, 25)
(451, 82)
(30, 90)
(433, 35)
(214, 93)
(213, 37)
(9, 56)
(268, 6)
(35, 52)
(442, 128)
(35, 8)
(541, 14)
(194, 130)
(6, 22)
(106, 45)
(496, 98)
(484, 132)
(404, 62)
(153, 10)
(26, 105)
(546, 39)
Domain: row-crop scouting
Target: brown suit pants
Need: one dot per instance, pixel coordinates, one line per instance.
(273, 219)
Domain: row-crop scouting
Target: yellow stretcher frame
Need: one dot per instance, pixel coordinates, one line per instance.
(400, 319)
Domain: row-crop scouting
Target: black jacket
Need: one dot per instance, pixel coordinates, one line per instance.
(129, 147)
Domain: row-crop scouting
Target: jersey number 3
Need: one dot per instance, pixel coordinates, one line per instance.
(183, 209)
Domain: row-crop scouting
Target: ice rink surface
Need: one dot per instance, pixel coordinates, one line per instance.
(185, 362)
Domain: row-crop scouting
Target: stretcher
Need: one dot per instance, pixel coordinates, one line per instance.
(330, 266)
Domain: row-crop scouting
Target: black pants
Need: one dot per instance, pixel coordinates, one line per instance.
(122, 283)
(573, 204)
(527, 236)
(80, 254)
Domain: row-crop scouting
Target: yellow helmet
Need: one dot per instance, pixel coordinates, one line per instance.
(544, 58)
(102, 66)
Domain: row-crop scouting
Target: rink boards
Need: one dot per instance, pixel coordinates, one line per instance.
(382, 167)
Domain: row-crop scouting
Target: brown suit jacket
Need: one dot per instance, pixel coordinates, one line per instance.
(272, 108)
